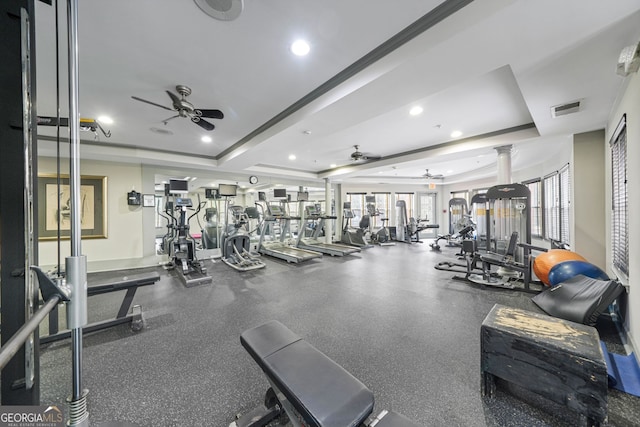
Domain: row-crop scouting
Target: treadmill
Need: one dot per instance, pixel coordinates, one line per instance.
(279, 248)
(313, 243)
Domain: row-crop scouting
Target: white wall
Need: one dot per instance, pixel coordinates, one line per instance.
(124, 222)
(588, 198)
(629, 104)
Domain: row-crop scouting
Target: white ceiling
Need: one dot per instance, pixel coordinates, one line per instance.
(491, 69)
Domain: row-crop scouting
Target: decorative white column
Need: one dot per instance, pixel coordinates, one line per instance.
(504, 164)
(328, 231)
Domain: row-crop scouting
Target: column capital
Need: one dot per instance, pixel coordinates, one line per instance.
(504, 149)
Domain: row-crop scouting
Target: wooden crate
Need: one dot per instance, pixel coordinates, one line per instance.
(556, 358)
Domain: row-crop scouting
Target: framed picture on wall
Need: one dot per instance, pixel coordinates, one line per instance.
(54, 207)
(149, 200)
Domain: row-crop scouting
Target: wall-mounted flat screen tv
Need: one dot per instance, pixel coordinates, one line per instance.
(227, 190)
(178, 186)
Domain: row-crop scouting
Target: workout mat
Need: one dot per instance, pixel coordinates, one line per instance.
(623, 371)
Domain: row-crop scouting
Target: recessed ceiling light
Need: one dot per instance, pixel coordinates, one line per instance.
(292, 156)
(306, 132)
(449, 171)
(415, 111)
(106, 120)
(456, 134)
(206, 139)
(332, 165)
(300, 47)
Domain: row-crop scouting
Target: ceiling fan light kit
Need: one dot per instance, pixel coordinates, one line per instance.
(184, 108)
(222, 10)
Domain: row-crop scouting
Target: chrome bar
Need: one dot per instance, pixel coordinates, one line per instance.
(31, 292)
(74, 129)
(76, 264)
(22, 335)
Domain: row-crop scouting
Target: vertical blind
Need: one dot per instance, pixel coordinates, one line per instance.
(565, 201)
(556, 190)
(551, 193)
(535, 187)
(619, 216)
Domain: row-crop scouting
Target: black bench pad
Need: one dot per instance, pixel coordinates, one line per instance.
(318, 388)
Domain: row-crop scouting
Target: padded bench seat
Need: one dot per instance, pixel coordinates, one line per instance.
(322, 392)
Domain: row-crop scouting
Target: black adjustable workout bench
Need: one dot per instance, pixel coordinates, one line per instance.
(130, 284)
(307, 386)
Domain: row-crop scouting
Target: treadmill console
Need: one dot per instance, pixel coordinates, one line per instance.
(276, 210)
(311, 211)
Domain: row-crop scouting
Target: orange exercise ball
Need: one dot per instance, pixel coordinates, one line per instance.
(544, 262)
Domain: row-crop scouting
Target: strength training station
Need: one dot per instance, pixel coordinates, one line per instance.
(243, 213)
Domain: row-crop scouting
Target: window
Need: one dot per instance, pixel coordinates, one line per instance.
(160, 220)
(460, 195)
(565, 200)
(551, 207)
(556, 204)
(535, 187)
(357, 206)
(408, 200)
(619, 200)
(382, 206)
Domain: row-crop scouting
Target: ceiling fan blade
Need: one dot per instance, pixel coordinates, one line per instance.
(152, 103)
(366, 157)
(212, 114)
(203, 124)
(174, 98)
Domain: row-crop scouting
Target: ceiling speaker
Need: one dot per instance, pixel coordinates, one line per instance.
(224, 10)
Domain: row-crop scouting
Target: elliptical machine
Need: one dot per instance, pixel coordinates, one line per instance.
(165, 244)
(183, 248)
(236, 243)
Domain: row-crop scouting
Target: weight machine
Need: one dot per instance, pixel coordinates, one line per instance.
(508, 242)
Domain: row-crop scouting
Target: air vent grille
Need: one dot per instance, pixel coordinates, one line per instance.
(564, 109)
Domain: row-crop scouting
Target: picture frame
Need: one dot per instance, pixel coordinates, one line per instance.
(149, 200)
(93, 210)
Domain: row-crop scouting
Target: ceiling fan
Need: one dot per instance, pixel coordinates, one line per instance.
(186, 109)
(358, 155)
(431, 176)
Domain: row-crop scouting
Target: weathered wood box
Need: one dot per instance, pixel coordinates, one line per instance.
(556, 358)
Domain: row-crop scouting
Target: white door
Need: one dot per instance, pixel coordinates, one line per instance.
(427, 211)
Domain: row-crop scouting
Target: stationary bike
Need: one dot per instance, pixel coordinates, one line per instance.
(382, 236)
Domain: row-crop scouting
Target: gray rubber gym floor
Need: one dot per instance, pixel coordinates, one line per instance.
(407, 331)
